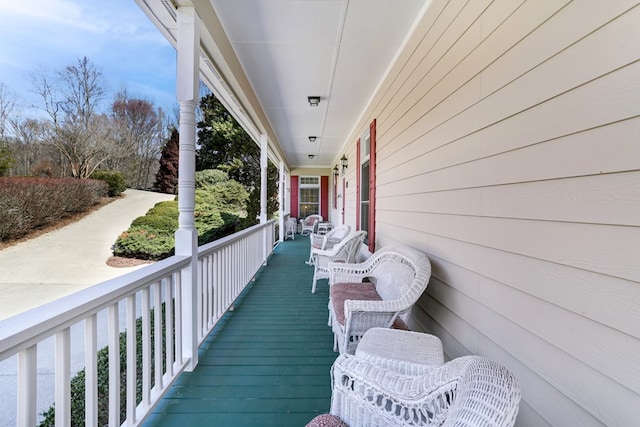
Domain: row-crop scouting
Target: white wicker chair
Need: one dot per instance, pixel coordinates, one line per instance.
(328, 240)
(290, 228)
(469, 391)
(343, 252)
(397, 278)
(309, 223)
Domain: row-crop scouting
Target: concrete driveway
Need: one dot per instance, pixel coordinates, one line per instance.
(71, 258)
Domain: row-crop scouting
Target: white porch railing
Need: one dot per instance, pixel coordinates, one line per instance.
(147, 300)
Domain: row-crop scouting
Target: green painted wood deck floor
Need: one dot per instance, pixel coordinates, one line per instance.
(268, 362)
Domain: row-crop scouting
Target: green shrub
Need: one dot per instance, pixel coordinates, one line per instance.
(78, 380)
(210, 177)
(145, 243)
(229, 226)
(156, 222)
(215, 189)
(168, 208)
(114, 179)
(218, 202)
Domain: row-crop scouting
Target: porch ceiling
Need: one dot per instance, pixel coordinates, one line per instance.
(272, 54)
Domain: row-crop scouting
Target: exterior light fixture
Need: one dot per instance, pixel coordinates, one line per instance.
(313, 138)
(311, 156)
(335, 171)
(314, 101)
(344, 162)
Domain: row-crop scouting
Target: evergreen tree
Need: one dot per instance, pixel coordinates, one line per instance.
(223, 144)
(6, 159)
(167, 176)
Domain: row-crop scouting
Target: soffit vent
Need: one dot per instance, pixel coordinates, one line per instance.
(171, 8)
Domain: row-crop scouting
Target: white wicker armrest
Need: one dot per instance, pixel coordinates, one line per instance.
(323, 252)
(401, 367)
(400, 346)
(365, 394)
(318, 239)
(469, 391)
(359, 307)
(340, 272)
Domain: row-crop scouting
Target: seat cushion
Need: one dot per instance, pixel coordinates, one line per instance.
(340, 292)
(326, 420)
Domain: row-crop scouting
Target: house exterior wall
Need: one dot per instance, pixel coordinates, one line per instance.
(508, 151)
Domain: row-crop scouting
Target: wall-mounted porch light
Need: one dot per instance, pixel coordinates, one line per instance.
(344, 162)
(335, 171)
(314, 101)
(313, 138)
(311, 156)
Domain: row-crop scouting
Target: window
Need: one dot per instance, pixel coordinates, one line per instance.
(366, 184)
(309, 199)
(365, 145)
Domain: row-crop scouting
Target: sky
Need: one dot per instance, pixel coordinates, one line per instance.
(115, 35)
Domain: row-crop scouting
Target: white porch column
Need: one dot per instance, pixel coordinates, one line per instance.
(263, 178)
(281, 195)
(186, 235)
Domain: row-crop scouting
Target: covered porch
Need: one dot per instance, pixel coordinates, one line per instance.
(497, 137)
(267, 362)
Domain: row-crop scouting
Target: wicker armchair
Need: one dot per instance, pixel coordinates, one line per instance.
(328, 240)
(309, 223)
(290, 228)
(397, 278)
(343, 252)
(469, 391)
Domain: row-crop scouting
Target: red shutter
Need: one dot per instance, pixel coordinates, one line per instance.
(294, 196)
(335, 192)
(372, 187)
(358, 199)
(344, 198)
(324, 197)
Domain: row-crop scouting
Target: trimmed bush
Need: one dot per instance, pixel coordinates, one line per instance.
(218, 202)
(156, 222)
(145, 243)
(27, 204)
(168, 208)
(114, 179)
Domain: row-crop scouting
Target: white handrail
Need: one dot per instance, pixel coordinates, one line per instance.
(142, 299)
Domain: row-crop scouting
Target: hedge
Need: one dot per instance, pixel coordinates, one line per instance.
(114, 179)
(27, 204)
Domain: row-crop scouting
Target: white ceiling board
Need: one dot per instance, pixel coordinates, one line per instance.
(379, 21)
(301, 124)
(299, 21)
(336, 49)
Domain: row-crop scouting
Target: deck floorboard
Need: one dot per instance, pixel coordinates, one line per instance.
(268, 362)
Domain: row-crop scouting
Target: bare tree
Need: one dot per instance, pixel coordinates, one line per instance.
(26, 145)
(7, 104)
(78, 131)
(139, 131)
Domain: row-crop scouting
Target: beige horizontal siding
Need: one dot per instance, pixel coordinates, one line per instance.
(508, 151)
